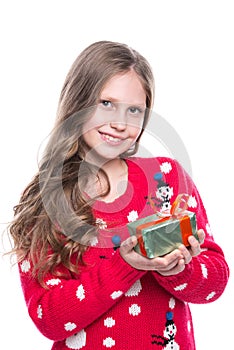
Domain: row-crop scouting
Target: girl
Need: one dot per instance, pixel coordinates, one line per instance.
(84, 284)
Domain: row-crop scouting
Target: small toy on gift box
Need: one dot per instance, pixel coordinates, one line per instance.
(158, 235)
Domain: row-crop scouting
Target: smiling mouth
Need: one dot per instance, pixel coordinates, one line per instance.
(110, 139)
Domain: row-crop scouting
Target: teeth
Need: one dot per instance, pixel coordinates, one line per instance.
(110, 138)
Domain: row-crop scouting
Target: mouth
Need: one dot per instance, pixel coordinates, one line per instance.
(110, 139)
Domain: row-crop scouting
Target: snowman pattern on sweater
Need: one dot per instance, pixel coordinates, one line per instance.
(168, 339)
(163, 194)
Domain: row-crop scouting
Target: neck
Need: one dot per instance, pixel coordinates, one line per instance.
(114, 167)
(117, 173)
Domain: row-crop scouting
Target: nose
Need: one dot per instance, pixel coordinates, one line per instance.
(118, 125)
(120, 121)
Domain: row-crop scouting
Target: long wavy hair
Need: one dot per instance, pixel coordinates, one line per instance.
(53, 220)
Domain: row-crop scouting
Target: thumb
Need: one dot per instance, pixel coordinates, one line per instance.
(128, 244)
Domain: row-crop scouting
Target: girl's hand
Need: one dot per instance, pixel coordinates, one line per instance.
(170, 264)
(195, 247)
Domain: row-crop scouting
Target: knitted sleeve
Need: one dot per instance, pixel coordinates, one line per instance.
(205, 277)
(69, 305)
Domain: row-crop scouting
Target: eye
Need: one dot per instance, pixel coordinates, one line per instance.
(106, 103)
(135, 110)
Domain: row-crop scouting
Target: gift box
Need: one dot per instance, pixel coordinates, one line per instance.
(159, 235)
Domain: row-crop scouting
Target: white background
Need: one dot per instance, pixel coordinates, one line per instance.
(190, 47)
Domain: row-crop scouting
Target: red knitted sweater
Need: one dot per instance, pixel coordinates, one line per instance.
(111, 305)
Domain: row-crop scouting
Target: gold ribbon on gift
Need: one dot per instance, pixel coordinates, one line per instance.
(177, 212)
(180, 205)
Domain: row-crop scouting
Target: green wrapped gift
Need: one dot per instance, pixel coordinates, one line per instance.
(158, 236)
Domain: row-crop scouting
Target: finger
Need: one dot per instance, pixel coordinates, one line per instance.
(201, 236)
(127, 245)
(171, 257)
(164, 268)
(168, 262)
(155, 263)
(186, 254)
(194, 246)
(175, 270)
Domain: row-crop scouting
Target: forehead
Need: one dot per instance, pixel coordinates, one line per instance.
(124, 87)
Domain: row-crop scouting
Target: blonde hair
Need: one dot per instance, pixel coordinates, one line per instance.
(53, 219)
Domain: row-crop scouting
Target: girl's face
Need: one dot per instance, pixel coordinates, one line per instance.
(117, 121)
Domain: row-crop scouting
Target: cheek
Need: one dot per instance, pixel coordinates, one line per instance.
(88, 126)
(94, 121)
(89, 134)
(135, 131)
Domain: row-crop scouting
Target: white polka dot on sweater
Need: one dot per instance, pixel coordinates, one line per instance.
(134, 290)
(204, 270)
(208, 229)
(80, 293)
(116, 294)
(172, 303)
(109, 342)
(210, 296)
(76, 341)
(101, 224)
(53, 282)
(189, 326)
(132, 216)
(25, 266)
(93, 241)
(69, 326)
(109, 322)
(39, 311)
(181, 287)
(134, 310)
(165, 167)
(192, 203)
